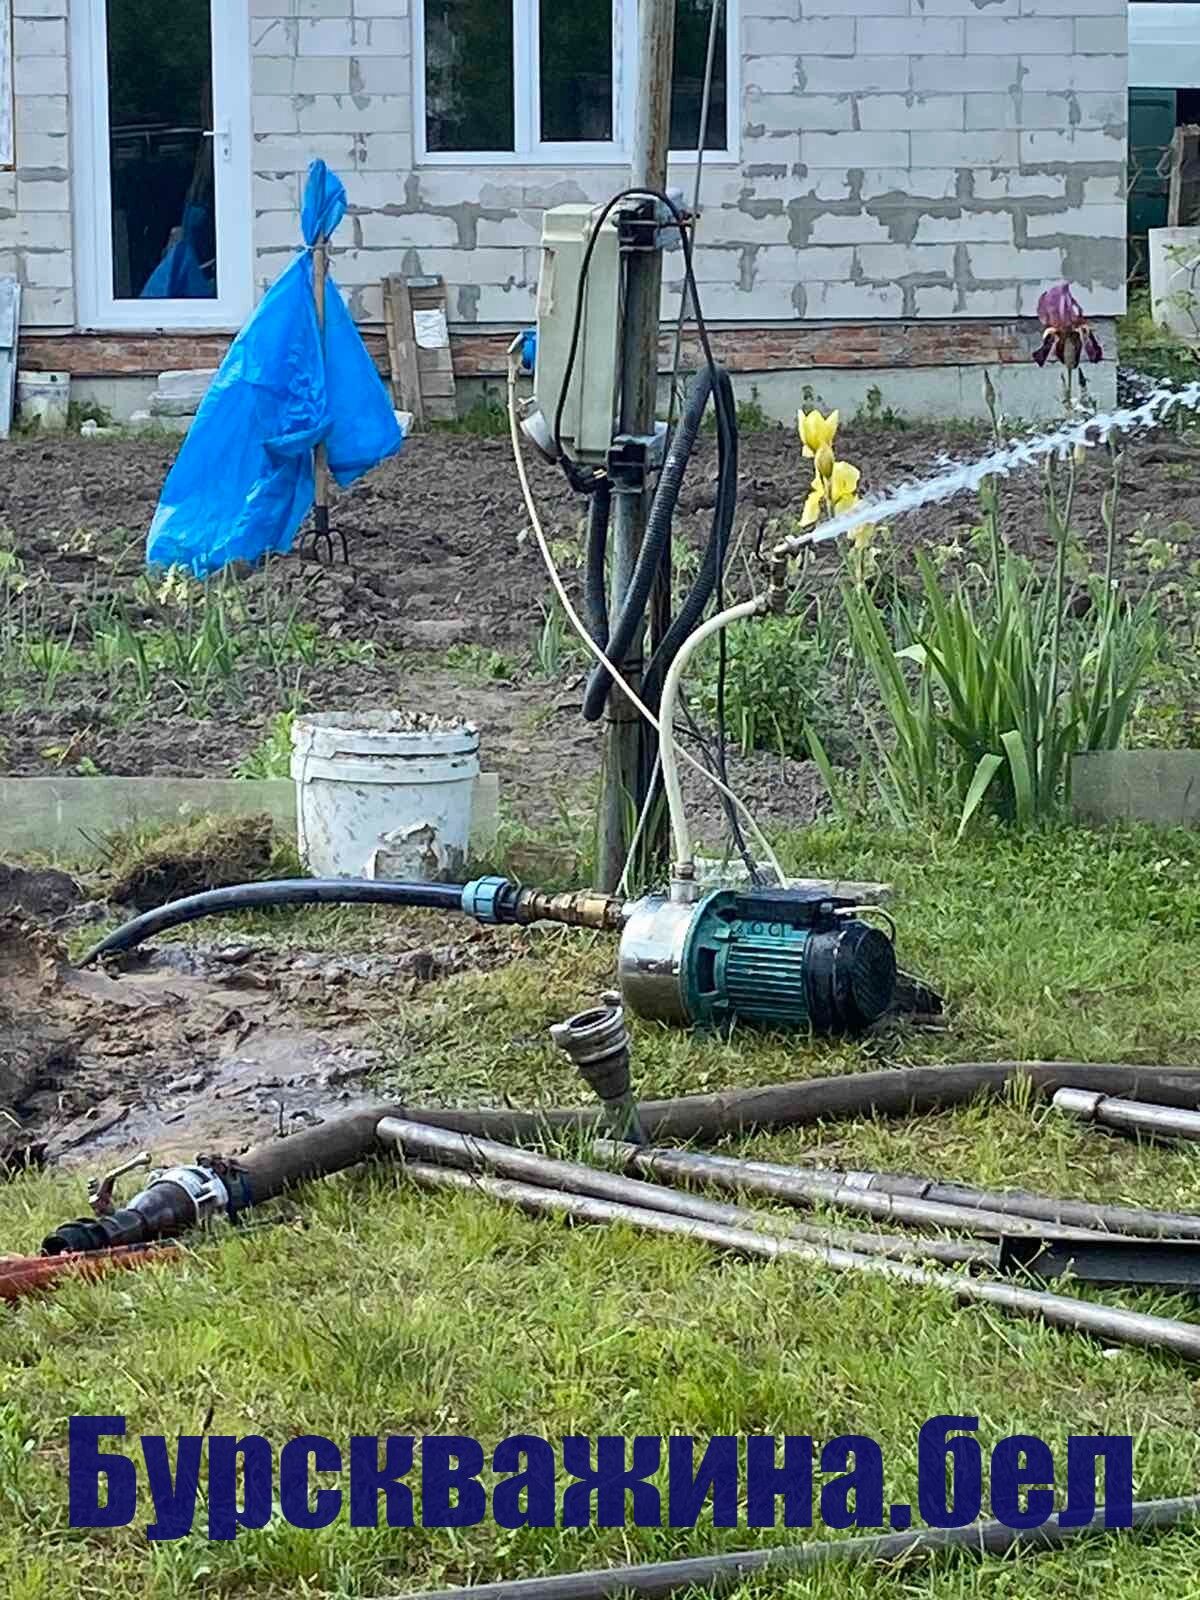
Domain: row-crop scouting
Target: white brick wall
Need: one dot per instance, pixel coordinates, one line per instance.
(907, 158)
(35, 197)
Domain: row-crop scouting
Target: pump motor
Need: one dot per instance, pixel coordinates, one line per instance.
(779, 958)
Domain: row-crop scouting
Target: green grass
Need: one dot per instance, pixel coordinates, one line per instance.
(389, 1311)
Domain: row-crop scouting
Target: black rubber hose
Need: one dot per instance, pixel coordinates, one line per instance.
(713, 563)
(658, 528)
(718, 1574)
(276, 892)
(595, 592)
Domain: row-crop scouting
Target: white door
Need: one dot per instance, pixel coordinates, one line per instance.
(162, 163)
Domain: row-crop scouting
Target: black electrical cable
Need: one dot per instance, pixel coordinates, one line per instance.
(276, 892)
(631, 615)
(595, 591)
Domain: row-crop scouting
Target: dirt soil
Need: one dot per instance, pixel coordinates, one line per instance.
(222, 1043)
(436, 559)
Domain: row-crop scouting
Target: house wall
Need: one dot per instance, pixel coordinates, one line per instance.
(898, 159)
(902, 165)
(35, 194)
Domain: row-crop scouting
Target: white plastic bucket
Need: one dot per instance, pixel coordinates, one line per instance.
(43, 398)
(383, 794)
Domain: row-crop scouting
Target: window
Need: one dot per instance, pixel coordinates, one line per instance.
(553, 80)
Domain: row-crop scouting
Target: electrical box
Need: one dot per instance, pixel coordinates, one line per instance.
(590, 409)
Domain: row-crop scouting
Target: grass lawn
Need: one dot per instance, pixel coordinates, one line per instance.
(387, 1311)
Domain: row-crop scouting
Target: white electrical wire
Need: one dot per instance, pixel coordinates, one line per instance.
(680, 832)
(678, 822)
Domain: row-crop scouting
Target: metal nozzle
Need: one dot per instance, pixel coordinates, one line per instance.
(597, 1041)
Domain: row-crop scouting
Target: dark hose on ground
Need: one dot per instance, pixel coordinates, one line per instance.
(717, 1574)
(890, 1092)
(278, 892)
(347, 1140)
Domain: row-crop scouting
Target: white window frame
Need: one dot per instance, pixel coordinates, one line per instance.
(98, 307)
(531, 151)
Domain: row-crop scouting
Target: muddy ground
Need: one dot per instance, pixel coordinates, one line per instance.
(221, 1042)
(437, 560)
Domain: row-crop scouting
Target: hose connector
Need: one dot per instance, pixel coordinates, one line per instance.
(580, 908)
(484, 898)
(597, 1041)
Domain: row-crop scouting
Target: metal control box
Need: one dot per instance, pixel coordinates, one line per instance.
(589, 412)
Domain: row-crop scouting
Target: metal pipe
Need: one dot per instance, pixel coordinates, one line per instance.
(576, 1177)
(1129, 1116)
(1110, 1324)
(655, 1580)
(795, 1186)
(1048, 1209)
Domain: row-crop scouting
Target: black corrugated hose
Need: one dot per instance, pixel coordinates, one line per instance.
(278, 892)
(708, 384)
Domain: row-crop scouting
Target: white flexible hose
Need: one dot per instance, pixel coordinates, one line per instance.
(680, 832)
(678, 820)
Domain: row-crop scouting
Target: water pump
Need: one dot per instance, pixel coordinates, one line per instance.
(778, 958)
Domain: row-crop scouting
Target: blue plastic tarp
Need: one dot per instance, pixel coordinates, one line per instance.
(243, 481)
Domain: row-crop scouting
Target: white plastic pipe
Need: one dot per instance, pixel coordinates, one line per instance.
(681, 835)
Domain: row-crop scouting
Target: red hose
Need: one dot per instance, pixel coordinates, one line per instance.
(25, 1275)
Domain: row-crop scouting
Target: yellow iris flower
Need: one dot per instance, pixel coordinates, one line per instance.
(836, 493)
(816, 430)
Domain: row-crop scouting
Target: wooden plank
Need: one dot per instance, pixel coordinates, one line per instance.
(402, 347)
(435, 362)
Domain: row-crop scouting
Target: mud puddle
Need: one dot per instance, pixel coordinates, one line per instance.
(195, 1046)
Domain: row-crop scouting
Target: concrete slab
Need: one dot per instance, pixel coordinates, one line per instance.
(1160, 787)
(67, 819)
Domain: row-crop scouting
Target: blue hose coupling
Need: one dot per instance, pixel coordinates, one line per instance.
(481, 897)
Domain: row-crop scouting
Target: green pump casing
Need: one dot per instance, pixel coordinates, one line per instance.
(775, 958)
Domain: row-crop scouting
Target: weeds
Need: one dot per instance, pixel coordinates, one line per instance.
(272, 758)
(480, 663)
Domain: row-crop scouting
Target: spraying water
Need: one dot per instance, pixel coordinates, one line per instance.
(1000, 463)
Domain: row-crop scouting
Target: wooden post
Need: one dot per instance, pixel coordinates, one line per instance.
(321, 532)
(629, 749)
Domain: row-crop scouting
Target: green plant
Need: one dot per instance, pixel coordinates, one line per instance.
(479, 662)
(1008, 687)
(272, 756)
(773, 677)
(874, 414)
(486, 418)
(556, 645)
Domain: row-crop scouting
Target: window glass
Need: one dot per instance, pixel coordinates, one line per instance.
(692, 19)
(164, 242)
(576, 70)
(468, 75)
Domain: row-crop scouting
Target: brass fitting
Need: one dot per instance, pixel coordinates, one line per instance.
(580, 908)
(777, 591)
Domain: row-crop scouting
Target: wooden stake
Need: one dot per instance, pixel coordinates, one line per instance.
(321, 533)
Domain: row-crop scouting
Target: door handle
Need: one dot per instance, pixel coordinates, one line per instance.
(222, 139)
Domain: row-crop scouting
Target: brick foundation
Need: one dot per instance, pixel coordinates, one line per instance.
(867, 346)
